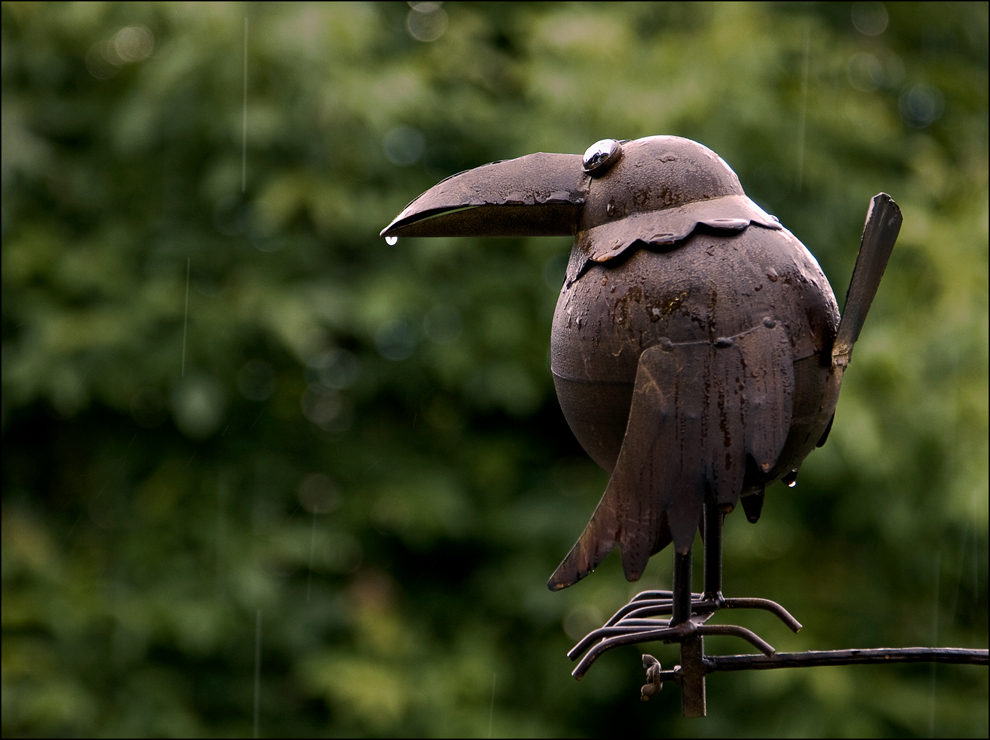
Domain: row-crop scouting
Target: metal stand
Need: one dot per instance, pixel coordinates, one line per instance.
(636, 623)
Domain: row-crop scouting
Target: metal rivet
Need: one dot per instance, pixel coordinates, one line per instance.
(601, 155)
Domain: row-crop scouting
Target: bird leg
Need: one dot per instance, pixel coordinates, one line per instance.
(681, 606)
(713, 521)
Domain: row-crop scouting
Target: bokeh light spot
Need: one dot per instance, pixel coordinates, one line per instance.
(870, 19)
(337, 368)
(426, 21)
(396, 340)
(403, 145)
(921, 105)
(198, 405)
(133, 43)
(865, 72)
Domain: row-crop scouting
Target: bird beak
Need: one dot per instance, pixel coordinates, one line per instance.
(536, 195)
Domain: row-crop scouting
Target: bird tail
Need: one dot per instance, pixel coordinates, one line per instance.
(599, 538)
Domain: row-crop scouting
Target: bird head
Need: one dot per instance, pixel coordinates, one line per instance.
(653, 191)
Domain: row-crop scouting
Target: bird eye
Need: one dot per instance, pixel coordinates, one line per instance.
(601, 156)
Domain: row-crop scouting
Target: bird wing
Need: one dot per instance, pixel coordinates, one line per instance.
(699, 411)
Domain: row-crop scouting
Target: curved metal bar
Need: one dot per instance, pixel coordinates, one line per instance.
(635, 634)
(748, 635)
(651, 607)
(644, 623)
(659, 595)
(659, 607)
(666, 634)
(634, 606)
(606, 633)
(632, 624)
(636, 623)
(770, 606)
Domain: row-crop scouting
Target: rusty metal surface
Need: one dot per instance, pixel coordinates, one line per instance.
(692, 342)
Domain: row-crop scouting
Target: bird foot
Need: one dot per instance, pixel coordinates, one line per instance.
(637, 622)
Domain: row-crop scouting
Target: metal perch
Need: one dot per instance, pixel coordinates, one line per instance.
(632, 626)
(636, 623)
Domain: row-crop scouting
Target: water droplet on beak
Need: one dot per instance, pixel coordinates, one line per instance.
(391, 240)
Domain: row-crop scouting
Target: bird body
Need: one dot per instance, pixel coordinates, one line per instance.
(693, 371)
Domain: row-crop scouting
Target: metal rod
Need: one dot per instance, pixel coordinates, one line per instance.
(713, 550)
(813, 658)
(682, 588)
(693, 677)
(695, 662)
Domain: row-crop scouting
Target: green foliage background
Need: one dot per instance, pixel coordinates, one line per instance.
(357, 449)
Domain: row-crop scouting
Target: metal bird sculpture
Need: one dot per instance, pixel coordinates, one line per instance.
(697, 348)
